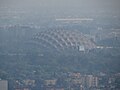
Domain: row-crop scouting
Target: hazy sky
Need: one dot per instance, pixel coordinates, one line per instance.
(51, 3)
(61, 4)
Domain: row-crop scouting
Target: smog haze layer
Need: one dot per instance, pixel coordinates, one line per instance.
(61, 6)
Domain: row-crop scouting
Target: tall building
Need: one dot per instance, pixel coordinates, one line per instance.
(92, 81)
(3, 85)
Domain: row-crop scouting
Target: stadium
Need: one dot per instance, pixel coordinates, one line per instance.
(61, 41)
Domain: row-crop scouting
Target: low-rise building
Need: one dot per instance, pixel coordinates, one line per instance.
(50, 82)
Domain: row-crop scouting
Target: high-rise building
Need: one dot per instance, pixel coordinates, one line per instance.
(3, 85)
(92, 81)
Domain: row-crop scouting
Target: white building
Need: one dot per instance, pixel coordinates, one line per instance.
(81, 48)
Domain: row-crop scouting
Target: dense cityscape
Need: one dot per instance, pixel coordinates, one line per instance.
(52, 46)
(68, 81)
